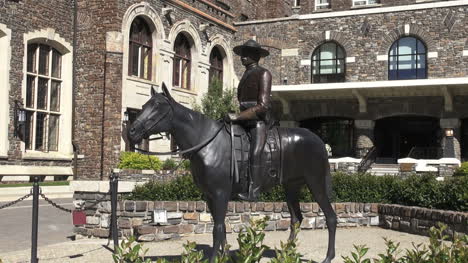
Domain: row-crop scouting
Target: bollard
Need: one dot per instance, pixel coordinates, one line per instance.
(35, 221)
(114, 180)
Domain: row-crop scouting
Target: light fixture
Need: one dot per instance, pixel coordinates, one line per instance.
(20, 120)
(449, 132)
(125, 118)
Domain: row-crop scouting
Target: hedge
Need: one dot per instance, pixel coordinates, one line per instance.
(462, 170)
(413, 190)
(138, 161)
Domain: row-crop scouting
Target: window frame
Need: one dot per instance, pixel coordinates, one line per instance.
(216, 69)
(297, 3)
(140, 46)
(31, 136)
(144, 144)
(322, 6)
(183, 61)
(366, 4)
(398, 55)
(340, 76)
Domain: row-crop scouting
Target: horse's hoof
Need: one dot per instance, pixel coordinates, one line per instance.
(327, 260)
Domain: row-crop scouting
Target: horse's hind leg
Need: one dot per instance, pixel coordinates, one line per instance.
(318, 185)
(292, 199)
(218, 209)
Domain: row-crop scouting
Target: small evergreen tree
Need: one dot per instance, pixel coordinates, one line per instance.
(216, 103)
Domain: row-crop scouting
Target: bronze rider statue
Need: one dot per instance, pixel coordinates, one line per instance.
(253, 93)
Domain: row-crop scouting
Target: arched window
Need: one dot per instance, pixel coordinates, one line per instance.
(216, 62)
(43, 98)
(407, 59)
(182, 62)
(328, 63)
(140, 49)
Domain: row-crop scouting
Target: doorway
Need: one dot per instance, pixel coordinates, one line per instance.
(416, 137)
(334, 131)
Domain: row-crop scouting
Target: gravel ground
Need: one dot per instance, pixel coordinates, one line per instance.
(312, 244)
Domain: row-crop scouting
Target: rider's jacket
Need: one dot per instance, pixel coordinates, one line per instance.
(253, 93)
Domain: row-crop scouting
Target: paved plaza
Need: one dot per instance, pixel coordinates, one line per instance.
(312, 245)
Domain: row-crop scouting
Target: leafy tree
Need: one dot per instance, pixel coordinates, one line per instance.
(217, 102)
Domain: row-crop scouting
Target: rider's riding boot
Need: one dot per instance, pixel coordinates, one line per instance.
(254, 186)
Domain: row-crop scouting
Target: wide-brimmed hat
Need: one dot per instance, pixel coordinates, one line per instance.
(251, 45)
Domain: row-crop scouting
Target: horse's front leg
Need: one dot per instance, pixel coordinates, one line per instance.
(218, 209)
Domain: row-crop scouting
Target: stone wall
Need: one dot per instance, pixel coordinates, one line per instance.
(417, 220)
(364, 37)
(192, 217)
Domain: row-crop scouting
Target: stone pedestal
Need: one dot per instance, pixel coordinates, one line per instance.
(364, 136)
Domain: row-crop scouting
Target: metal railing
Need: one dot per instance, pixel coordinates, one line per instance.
(36, 192)
(425, 153)
(367, 160)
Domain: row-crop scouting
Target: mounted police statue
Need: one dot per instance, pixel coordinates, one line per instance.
(292, 157)
(253, 93)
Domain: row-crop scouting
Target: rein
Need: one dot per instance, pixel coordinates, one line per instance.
(192, 149)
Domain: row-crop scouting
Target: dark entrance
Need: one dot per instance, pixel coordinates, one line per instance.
(336, 132)
(464, 139)
(409, 136)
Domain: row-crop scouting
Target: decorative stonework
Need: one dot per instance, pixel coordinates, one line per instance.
(449, 20)
(407, 30)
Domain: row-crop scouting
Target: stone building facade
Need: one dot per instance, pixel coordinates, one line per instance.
(78, 66)
(363, 103)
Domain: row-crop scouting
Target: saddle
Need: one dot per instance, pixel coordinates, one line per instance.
(271, 157)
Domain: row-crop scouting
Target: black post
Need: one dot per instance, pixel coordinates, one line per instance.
(114, 180)
(35, 221)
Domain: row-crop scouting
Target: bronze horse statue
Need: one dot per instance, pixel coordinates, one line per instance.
(211, 161)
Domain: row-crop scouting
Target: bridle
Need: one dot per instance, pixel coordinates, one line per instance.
(176, 151)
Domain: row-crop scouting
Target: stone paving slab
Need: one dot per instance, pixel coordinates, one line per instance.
(312, 244)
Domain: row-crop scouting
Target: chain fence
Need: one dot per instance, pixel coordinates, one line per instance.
(59, 207)
(16, 201)
(42, 195)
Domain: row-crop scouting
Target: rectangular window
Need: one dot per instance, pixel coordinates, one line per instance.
(322, 4)
(42, 102)
(365, 2)
(297, 3)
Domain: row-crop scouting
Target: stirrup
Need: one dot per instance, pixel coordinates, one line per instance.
(251, 196)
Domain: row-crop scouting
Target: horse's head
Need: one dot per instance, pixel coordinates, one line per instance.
(155, 117)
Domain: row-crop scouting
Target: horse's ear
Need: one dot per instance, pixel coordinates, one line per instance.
(166, 91)
(153, 91)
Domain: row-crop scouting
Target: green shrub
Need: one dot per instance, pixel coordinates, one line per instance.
(462, 170)
(138, 161)
(414, 190)
(181, 188)
(217, 102)
(169, 164)
(186, 165)
(250, 240)
(129, 251)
